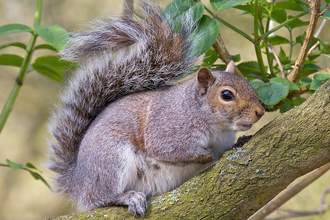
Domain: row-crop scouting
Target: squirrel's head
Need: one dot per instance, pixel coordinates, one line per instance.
(233, 103)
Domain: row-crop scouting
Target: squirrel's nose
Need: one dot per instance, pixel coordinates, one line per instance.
(259, 112)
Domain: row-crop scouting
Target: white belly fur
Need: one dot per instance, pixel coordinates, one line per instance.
(145, 174)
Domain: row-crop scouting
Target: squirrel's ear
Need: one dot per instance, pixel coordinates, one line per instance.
(205, 80)
(231, 67)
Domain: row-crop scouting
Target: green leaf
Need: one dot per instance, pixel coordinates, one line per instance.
(54, 62)
(196, 10)
(11, 60)
(276, 40)
(282, 56)
(290, 84)
(299, 100)
(305, 81)
(251, 67)
(286, 106)
(272, 93)
(37, 176)
(301, 38)
(45, 46)
(248, 8)
(15, 166)
(17, 44)
(206, 34)
(47, 71)
(308, 71)
(296, 23)
(322, 77)
(311, 66)
(54, 35)
(279, 15)
(14, 28)
(289, 5)
(256, 84)
(289, 104)
(224, 4)
(324, 47)
(236, 58)
(52, 66)
(210, 57)
(313, 56)
(30, 165)
(177, 7)
(220, 67)
(315, 84)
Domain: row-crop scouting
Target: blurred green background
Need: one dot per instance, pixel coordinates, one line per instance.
(24, 137)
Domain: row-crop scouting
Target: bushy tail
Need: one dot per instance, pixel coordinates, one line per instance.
(117, 57)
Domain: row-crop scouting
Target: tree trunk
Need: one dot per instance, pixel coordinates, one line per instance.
(247, 178)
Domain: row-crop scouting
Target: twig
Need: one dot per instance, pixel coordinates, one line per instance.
(322, 12)
(223, 53)
(315, 8)
(277, 202)
(296, 213)
(276, 58)
(312, 48)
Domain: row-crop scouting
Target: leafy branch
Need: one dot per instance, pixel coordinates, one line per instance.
(50, 66)
(24, 67)
(28, 167)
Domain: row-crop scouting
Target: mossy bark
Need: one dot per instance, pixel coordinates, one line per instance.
(247, 178)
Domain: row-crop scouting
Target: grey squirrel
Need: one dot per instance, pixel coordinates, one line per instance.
(123, 131)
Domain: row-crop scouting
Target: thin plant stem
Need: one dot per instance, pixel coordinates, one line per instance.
(236, 30)
(22, 73)
(280, 26)
(257, 45)
(229, 25)
(291, 44)
(209, 11)
(269, 59)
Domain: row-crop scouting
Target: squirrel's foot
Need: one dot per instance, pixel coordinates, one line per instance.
(136, 202)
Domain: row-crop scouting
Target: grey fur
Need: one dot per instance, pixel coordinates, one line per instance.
(122, 132)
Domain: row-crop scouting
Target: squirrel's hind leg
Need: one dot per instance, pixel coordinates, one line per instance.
(136, 202)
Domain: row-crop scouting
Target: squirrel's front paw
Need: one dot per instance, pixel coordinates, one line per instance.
(136, 202)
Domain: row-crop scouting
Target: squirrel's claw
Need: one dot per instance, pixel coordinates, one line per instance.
(136, 202)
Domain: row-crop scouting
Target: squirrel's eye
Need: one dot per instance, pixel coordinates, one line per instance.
(227, 95)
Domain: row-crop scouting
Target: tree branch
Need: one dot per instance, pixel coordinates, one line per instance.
(312, 48)
(247, 178)
(224, 55)
(276, 58)
(276, 203)
(326, 9)
(315, 8)
(294, 213)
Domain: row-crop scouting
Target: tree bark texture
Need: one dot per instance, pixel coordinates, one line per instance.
(247, 178)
